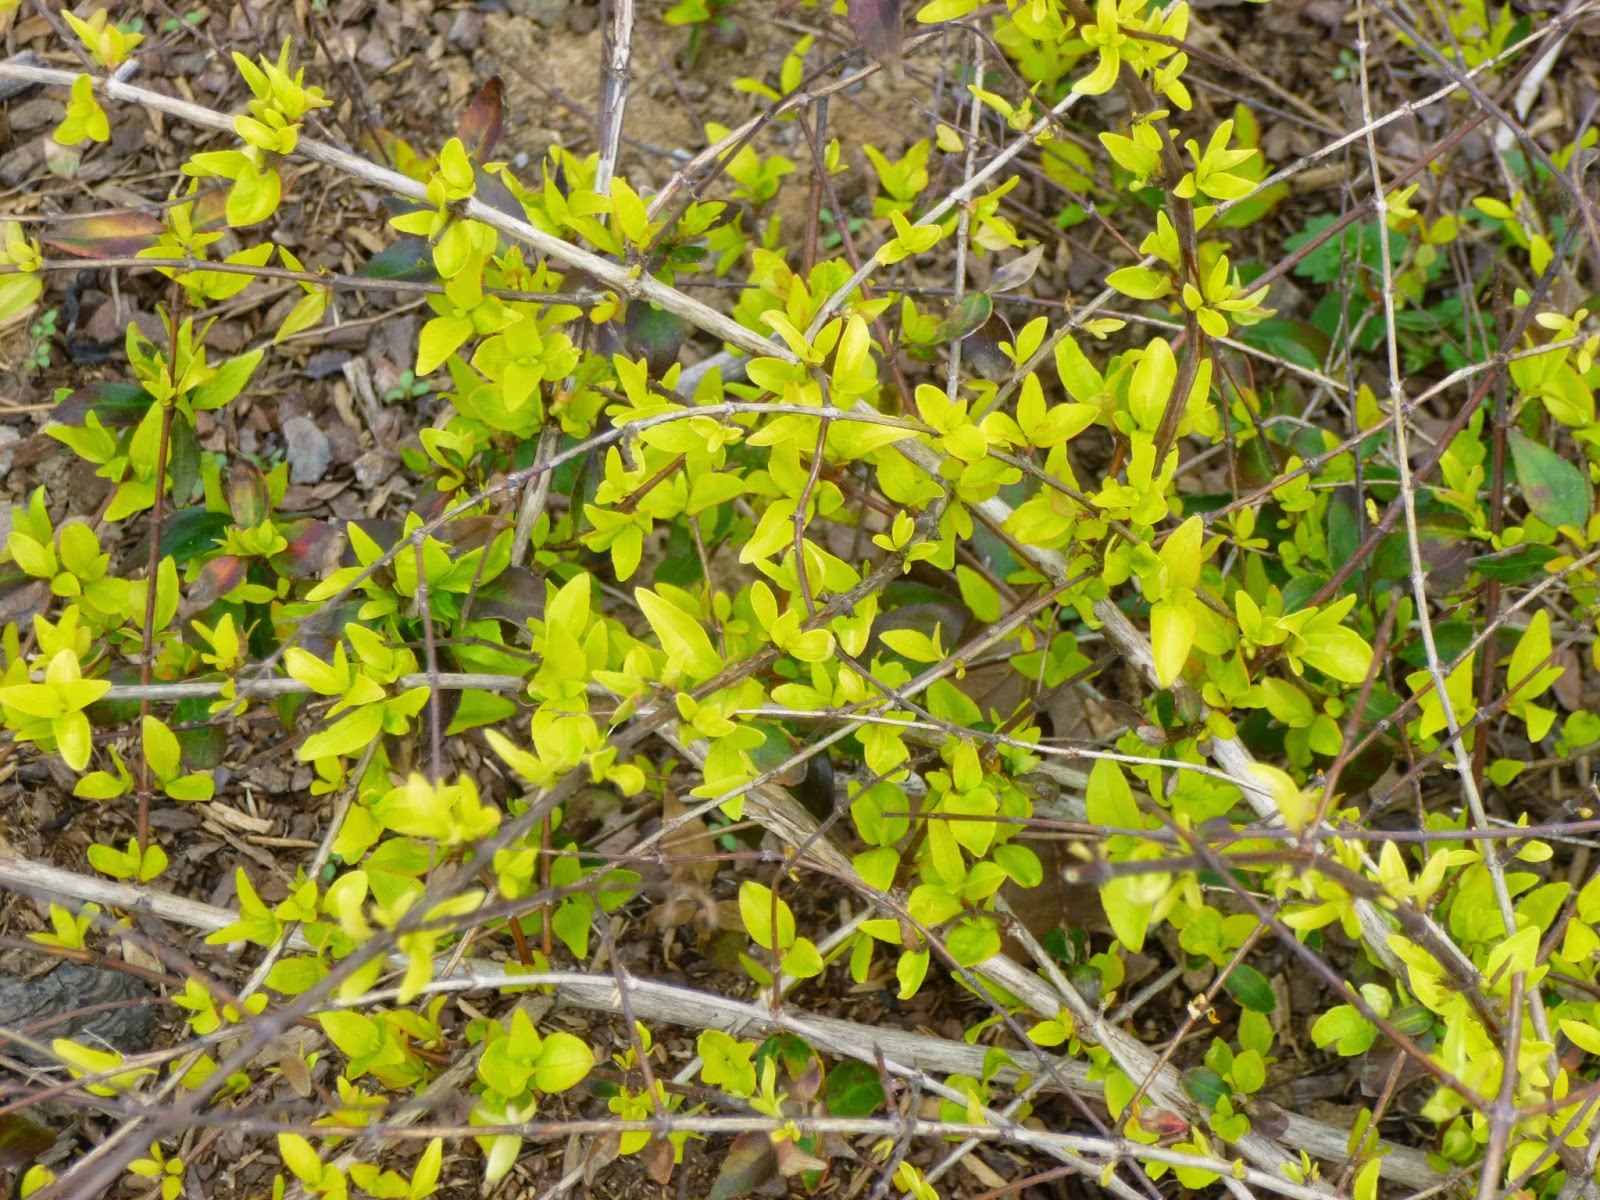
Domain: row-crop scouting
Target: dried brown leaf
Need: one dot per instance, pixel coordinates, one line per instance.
(877, 25)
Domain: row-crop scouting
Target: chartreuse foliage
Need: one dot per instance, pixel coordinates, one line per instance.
(751, 554)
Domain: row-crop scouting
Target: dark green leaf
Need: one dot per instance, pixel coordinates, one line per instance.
(409, 259)
(966, 316)
(1250, 988)
(1412, 1020)
(118, 405)
(1520, 564)
(516, 595)
(791, 1052)
(1344, 526)
(1450, 638)
(1055, 941)
(493, 191)
(115, 712)
(204, 745)
(183, 461)
(1087, 982)
(1357, 243)
(190, 532)
(1293, 341)
(1556, 490)
(1298, 591)
(1205, 1087)
(654, 334)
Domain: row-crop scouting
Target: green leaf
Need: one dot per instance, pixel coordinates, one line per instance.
(1141, 283)
(1126, 900)
(161, 749)
(299, 1157)
(1249, 1072)
(685, 640)
(755, 910)
(1109, 799)
(1205, 1087)
(945, 10)
(350, 734)
(354, 1033)
(877, 866)
(853, 1089)
(802, 960)
(1172, 630)
(110, 861)
(727, 1062)
(911, 970)
(1020, 863)
(1250, 988)
(1556, 490)
(441, 337)
(409, 259)
(227, 383)
(17, 292)
(973, 942)
(1346, 1028)
(425, 1179)
(1520, 564)
(190, 787)
(563, 1062)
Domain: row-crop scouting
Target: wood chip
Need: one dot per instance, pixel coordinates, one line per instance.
(235, 819)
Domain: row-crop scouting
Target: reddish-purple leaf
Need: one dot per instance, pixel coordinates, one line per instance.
(877, 26)
(124, 234)
(247, 494)
(1162, 1122)
(314, 549)
(659, 1160)
(750, 1163)
(808, 1083)
(470, 533)
(981, 349)
(481, 123)
(1267, 1119)
(105, 235)
(217, 578)
(493, 192)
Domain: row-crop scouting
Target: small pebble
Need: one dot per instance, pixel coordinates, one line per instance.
(307, 448)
